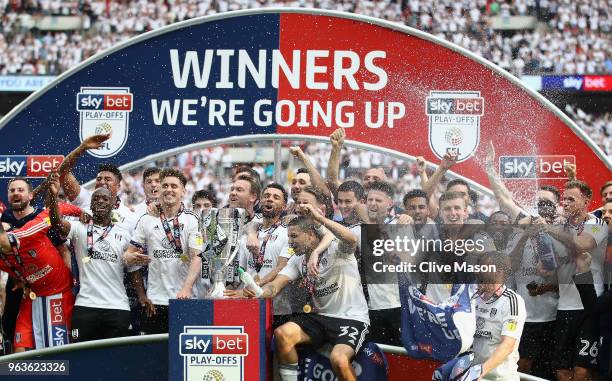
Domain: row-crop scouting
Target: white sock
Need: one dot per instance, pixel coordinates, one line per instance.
(288, 372)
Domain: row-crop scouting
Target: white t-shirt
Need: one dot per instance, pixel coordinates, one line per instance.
(123, 217)
(167, 272)
(102, 277)
(338, 291)
(497, 317)
(540, 308)
(277, 246)
(569, 298)
(141, 209)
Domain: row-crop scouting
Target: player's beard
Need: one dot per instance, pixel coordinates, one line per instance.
(272, 213)
(19, 206)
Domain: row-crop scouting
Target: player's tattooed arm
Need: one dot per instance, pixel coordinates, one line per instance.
(271, 289)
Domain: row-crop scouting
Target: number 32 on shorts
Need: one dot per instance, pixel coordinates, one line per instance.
(345, 331)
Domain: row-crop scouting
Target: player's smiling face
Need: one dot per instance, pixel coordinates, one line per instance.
(101, 203)
(416, 208)
(454, 211)
(298, 183)
(240, 195)
(347, 202)
(19, 195)
(109, 181)
(378, 204)
(152, 186)
(574, 202)
(172, 190)
(272, 202)
(299, 240)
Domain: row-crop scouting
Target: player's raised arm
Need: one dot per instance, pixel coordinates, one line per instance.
(348, 240)
(67, 180)
(430, 186)
(53, 185)
(502, 194)
(315, 177)
(333, 168)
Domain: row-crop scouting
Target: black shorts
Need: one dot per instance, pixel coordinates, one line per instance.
(329, 330)
(157, 323)
(537, 340)
(578, 341)
(278, 320)
(89, 323)
(385, 326)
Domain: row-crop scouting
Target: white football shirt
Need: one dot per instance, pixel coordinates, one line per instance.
(338, 292)
(102, 277)
(276, 246)
(502, 315)
(569, 298)
(167, 272)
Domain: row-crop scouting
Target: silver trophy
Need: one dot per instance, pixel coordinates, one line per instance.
(223, 228)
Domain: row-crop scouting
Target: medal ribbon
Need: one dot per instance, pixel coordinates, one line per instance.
(18, 274)
(308, 283)
(173, 235)
(90, 241)
(259, 258)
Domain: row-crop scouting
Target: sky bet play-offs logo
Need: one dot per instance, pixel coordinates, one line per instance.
(534, 167)
(454, 122)
(105, 110)
(28, 166)
(213, 353)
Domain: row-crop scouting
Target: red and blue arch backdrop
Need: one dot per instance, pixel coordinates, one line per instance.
(519, 122)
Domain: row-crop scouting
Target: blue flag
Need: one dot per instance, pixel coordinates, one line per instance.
(370, 364)
(437, 331)
(461, 368)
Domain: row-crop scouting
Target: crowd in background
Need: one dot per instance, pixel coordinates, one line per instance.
(210, 168)
(572, 37)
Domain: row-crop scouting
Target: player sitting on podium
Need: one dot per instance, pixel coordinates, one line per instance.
(339, 309)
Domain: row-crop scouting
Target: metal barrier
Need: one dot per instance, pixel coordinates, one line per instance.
(160, 338)
(402, 352)
(95, 344)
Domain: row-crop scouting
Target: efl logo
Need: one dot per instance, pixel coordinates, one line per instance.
(193, 344)
(463, 106)
(454, 122)
(104, 102)
(59, 331)
(28, 166)
(534, 167)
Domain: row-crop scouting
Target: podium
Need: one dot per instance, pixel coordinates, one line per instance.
(219, 340)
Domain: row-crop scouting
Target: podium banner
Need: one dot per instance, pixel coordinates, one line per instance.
(219, 340)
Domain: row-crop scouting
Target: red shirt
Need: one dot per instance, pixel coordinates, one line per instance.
(42, 266)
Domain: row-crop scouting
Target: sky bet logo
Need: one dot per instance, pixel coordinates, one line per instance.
(104, 102)
(28, 166)
(463, 106)
(59, 331)
(534, 167)
(228, 344)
